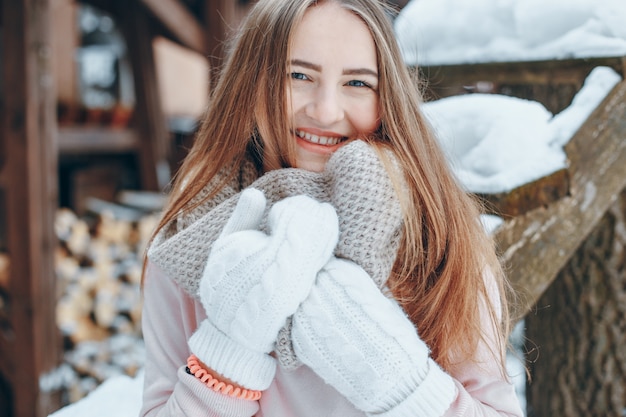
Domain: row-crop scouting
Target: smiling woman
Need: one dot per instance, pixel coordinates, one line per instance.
(333, 93)
(317, 256)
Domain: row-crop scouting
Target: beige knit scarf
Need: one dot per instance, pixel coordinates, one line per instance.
(354, 181)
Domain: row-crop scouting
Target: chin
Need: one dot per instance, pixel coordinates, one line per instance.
(311, 166)
(311, 161)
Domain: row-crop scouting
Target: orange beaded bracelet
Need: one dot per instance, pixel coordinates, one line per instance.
(194, 368)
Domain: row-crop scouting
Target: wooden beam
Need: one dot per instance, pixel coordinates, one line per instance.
(153, 143)
(221, 17)
(520, 200)
(537, 245)
(179, 20)
(446, 80)
(76, 140)
(30, 344)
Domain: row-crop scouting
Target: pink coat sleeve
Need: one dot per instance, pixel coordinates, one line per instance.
(482, 390)
(169, 318)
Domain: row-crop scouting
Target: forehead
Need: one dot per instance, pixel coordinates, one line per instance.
(330, 31)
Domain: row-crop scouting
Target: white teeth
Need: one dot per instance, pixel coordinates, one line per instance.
(321, 140)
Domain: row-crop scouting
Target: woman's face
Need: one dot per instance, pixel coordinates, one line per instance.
(332, 94)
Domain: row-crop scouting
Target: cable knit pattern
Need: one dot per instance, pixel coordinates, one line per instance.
(253, 281)
(354, 181)
(361, 343)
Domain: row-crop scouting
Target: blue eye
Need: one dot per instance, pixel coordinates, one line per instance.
(298, 76)
(357, 83)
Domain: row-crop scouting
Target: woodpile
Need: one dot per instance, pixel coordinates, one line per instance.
(98, 269)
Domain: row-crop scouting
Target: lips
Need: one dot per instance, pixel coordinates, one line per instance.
(320, 140)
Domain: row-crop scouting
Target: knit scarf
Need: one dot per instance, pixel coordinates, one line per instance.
(354, 181)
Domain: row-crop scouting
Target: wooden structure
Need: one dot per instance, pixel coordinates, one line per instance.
(537, 245)
(552, 83)
(552, 215)
(28, 342)
(575, 333)
(563, 239)
(30, 144)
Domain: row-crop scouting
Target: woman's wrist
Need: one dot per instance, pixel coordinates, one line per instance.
(213, 372)
(217, 382)
(251, 369)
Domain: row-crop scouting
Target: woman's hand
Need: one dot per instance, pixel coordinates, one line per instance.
(362, 343)
(253, 281)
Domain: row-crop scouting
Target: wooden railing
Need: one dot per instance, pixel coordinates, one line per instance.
(536, 245)
(546, 220)
(562, 240)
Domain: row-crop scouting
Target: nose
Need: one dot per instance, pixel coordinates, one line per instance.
(325, 106)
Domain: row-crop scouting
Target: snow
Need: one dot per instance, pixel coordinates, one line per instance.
(435, 32)
(118, 396)
(494, 143)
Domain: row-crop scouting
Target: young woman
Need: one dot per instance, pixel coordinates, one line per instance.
(317, 257)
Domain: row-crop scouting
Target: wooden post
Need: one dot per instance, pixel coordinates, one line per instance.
(537, 245)
(150, 120)
(29, 339)
(177, 18)
(220, 17)
(576, 334)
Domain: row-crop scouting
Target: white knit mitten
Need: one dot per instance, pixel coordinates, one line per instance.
(253, 281)
(361, 343)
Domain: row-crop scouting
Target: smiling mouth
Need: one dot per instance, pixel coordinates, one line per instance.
(320, 140)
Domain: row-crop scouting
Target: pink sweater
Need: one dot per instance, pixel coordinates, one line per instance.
(170, 316)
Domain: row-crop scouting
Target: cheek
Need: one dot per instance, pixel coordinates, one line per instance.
(288, 101)
(366, 118)
(293, 102)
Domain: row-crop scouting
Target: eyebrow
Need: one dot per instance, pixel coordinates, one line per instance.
(349, 71)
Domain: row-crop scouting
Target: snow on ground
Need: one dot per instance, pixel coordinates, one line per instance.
(118, 396)
(495, 143)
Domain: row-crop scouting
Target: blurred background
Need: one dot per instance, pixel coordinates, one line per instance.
(100, 100)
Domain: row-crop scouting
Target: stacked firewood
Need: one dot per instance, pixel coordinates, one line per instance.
(98, 267)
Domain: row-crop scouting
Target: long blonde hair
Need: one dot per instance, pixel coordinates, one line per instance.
(438, 276)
